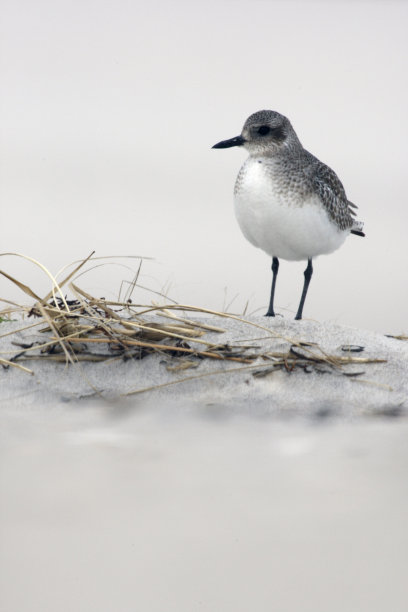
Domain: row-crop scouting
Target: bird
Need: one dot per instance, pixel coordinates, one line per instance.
(287, 202)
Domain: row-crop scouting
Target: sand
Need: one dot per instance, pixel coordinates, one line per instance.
(378, 387)
(226, 492)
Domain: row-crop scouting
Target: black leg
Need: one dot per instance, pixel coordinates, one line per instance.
(275, 268)
(308, 275)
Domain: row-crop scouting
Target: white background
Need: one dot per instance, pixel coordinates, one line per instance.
(108, 114)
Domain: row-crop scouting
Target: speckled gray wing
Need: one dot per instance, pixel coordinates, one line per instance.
(332, 195)
(327, 185)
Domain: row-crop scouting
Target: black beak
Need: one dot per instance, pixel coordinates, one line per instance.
(238, 141)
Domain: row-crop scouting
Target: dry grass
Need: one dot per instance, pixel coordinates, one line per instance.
(85, 328)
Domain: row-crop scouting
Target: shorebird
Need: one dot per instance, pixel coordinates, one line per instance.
(287, 202)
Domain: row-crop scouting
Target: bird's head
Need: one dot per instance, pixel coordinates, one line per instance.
(264, 133)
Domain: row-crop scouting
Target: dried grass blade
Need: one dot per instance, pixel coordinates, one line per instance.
(58, 338)
(44, 269)
(99, 303)
(101, 322)
(347, 360)
(18, 306)
(21, 286)
(157, 347)
(373, 383)
(225, 315)
(6, 362)
(20, 329)
(144, 327)
(62, 283)
(187, 378)
(78, 357)
(400, 337)
(165, 313)
(132, 285)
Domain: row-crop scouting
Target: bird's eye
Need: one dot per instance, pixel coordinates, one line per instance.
(264, 130)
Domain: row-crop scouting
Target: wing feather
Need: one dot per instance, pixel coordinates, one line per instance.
(326, 184)
(333, 197)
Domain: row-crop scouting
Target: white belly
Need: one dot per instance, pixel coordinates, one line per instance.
(280, 224)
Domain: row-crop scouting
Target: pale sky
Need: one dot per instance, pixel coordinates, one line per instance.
(108, 114)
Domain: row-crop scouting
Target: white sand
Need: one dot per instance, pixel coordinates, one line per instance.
(205, 495)
(385, 386)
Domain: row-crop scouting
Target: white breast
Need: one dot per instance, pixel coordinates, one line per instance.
(281, 221)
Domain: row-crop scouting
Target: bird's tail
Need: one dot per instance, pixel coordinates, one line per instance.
(357, 228)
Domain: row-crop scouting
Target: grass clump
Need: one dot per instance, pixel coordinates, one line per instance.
(79, 327)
